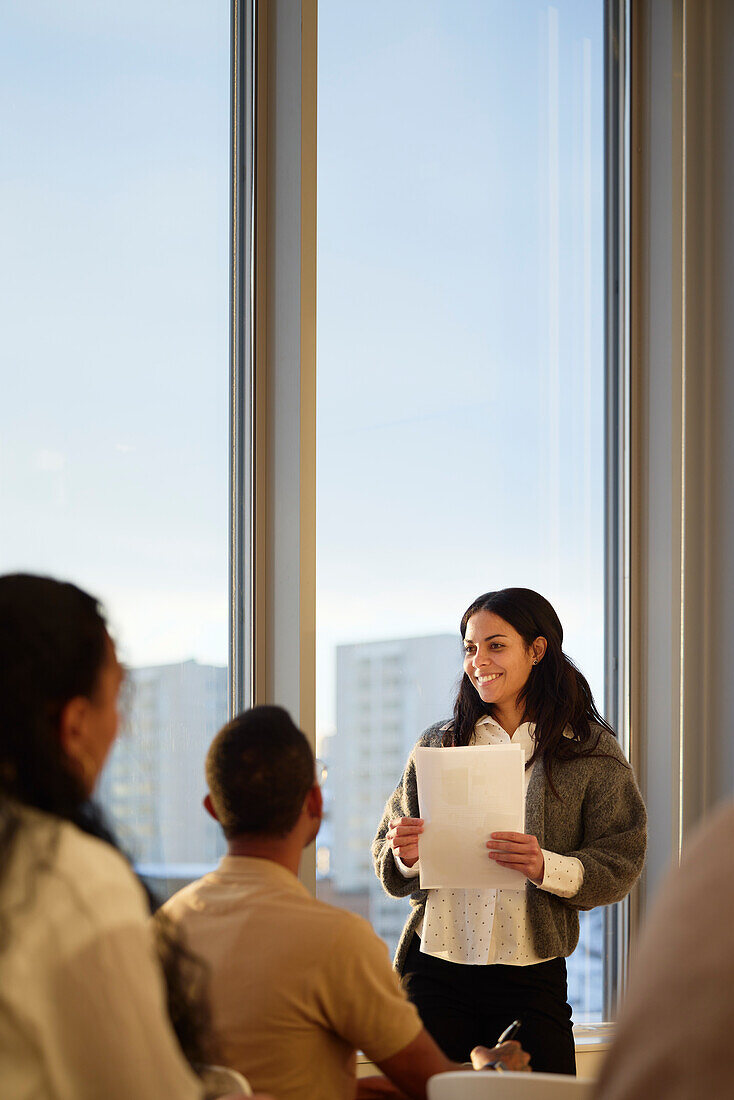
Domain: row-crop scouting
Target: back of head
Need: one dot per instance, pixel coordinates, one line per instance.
(259, 769)
(52, 648)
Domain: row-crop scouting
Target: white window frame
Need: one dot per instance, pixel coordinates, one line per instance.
(273, 360)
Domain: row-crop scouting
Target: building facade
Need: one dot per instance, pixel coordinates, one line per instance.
(153, 785)
(387, 693)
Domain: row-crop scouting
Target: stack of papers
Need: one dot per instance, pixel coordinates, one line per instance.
(465, 794)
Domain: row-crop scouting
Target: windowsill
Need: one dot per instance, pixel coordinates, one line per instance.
(592, 1042)
(593, 1036)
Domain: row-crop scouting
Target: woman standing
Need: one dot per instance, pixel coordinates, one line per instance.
(473, 960)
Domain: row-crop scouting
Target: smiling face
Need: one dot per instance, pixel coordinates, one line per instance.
(496, 658)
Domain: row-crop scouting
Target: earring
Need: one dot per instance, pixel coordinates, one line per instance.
(535, 660)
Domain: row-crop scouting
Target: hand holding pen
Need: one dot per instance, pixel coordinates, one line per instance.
(507, 1054)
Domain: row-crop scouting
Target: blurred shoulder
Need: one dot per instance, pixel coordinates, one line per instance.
(84, 872)
(712, 840)
(695, 901)
(65, 891)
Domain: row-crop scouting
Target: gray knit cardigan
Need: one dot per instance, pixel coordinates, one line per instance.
(597, 815)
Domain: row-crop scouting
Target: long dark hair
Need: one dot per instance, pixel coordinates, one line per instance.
(53, 640)
(556, 695)
(53, 646)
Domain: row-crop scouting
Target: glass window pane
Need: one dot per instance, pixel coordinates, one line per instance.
(114, 418)
(460, 376)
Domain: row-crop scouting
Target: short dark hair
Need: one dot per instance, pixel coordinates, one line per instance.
(259, 769)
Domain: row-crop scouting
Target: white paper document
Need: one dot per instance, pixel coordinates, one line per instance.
(465, 794)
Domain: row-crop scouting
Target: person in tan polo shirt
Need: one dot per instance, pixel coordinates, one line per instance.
(297, 986)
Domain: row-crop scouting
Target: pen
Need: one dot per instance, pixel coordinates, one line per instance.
(509, 1032)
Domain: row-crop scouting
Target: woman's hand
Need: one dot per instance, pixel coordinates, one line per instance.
(518, 852)
(402, 836)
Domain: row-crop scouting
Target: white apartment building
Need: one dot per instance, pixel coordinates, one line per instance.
(387, 693)
(154, 783)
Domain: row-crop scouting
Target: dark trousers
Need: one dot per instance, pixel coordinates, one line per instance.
(467, 1006)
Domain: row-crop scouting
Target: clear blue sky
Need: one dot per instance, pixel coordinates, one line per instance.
(114, 131)
(460, 313)
(456, 453)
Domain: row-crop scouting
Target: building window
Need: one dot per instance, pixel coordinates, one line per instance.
(461, 368)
